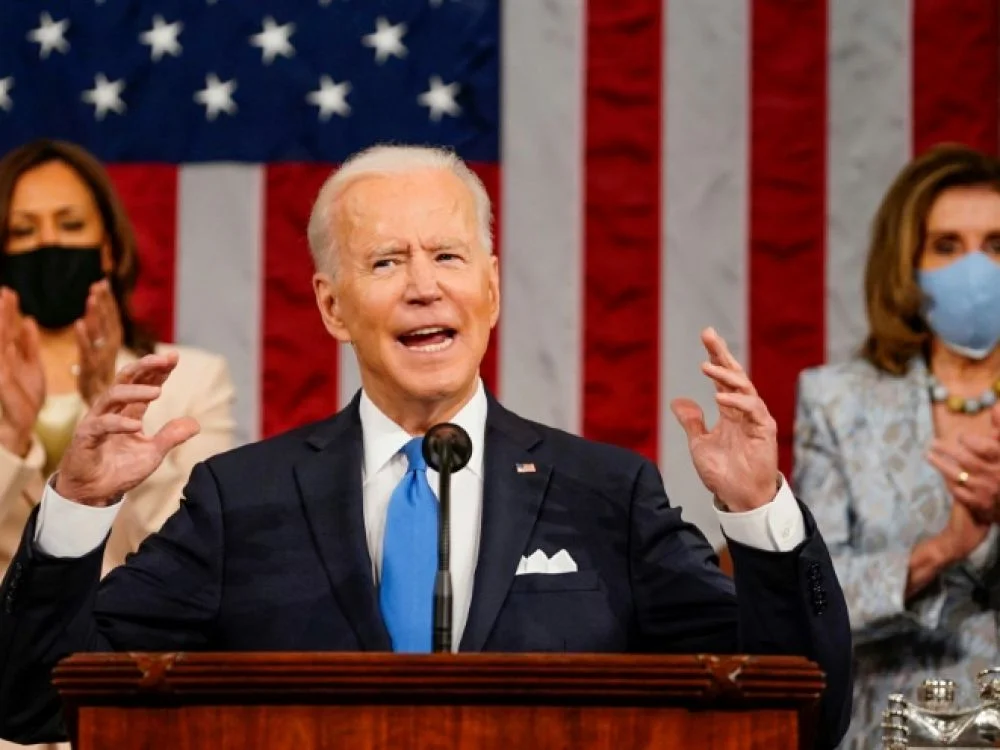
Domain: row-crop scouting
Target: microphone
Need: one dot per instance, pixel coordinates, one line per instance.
(447, 448)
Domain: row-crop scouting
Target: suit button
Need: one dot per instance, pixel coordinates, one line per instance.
(18, 569)
(818, 599)
(8, 604)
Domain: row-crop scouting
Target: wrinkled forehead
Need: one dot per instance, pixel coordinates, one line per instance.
(415, 206)
(957, 209)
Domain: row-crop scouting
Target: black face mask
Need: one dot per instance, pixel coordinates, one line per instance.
(53, 282)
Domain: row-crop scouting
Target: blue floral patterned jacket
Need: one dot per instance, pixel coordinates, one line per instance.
(861, 437)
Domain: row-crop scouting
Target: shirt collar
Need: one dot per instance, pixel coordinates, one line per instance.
(383, 438)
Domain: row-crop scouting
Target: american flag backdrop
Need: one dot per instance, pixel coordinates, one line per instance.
(656, 166)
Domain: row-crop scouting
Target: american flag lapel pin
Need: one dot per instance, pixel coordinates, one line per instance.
(525, 468)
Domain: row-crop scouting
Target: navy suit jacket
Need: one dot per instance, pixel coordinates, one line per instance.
(268, 553)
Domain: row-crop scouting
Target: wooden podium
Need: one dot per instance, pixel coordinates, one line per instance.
(306, 701)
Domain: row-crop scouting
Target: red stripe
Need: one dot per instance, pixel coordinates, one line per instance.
(621, 335)
(787, 201)
(956, 73)
(149, 194)
(490, 175)
(299, 356)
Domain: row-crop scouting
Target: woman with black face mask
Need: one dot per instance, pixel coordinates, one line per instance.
(67, 272)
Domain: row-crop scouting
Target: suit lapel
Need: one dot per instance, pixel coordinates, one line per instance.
(511, 501)
(330, 485)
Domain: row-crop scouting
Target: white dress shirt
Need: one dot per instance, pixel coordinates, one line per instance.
(67, 529)
(384, 467)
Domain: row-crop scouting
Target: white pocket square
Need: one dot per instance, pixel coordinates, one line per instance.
(537, 562)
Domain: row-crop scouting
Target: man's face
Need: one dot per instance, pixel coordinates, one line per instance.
(413, 288)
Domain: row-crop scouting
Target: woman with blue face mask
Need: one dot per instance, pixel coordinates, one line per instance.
(897, 452)
(68, 268)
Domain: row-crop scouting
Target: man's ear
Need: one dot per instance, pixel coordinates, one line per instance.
(328, 302)
(494, 291)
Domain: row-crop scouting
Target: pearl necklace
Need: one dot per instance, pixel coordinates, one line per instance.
(960, 404)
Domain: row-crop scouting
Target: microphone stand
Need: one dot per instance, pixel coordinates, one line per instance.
(442, 580)
(447, 449)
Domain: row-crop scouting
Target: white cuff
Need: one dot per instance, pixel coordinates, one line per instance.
(68, 529)
(775, 527)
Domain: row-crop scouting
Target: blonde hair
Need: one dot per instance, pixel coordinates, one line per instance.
(897, 331)
(382, 160)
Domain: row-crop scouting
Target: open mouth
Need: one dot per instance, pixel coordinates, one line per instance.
(430, 339)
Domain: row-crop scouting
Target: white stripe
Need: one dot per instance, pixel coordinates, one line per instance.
(542, 208)
(348, 375)
(869, 141)
(219, 268)
(705, 263)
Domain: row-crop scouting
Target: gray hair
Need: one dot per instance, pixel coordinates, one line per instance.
(381, 160)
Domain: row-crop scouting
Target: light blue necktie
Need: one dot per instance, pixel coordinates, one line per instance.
(409, 557)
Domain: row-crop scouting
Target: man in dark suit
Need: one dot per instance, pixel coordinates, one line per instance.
(324, 538)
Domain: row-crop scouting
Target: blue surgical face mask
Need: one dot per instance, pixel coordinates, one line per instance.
(963, 304)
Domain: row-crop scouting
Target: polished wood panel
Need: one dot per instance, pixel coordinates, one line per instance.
(482, 701)
(419, 728)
